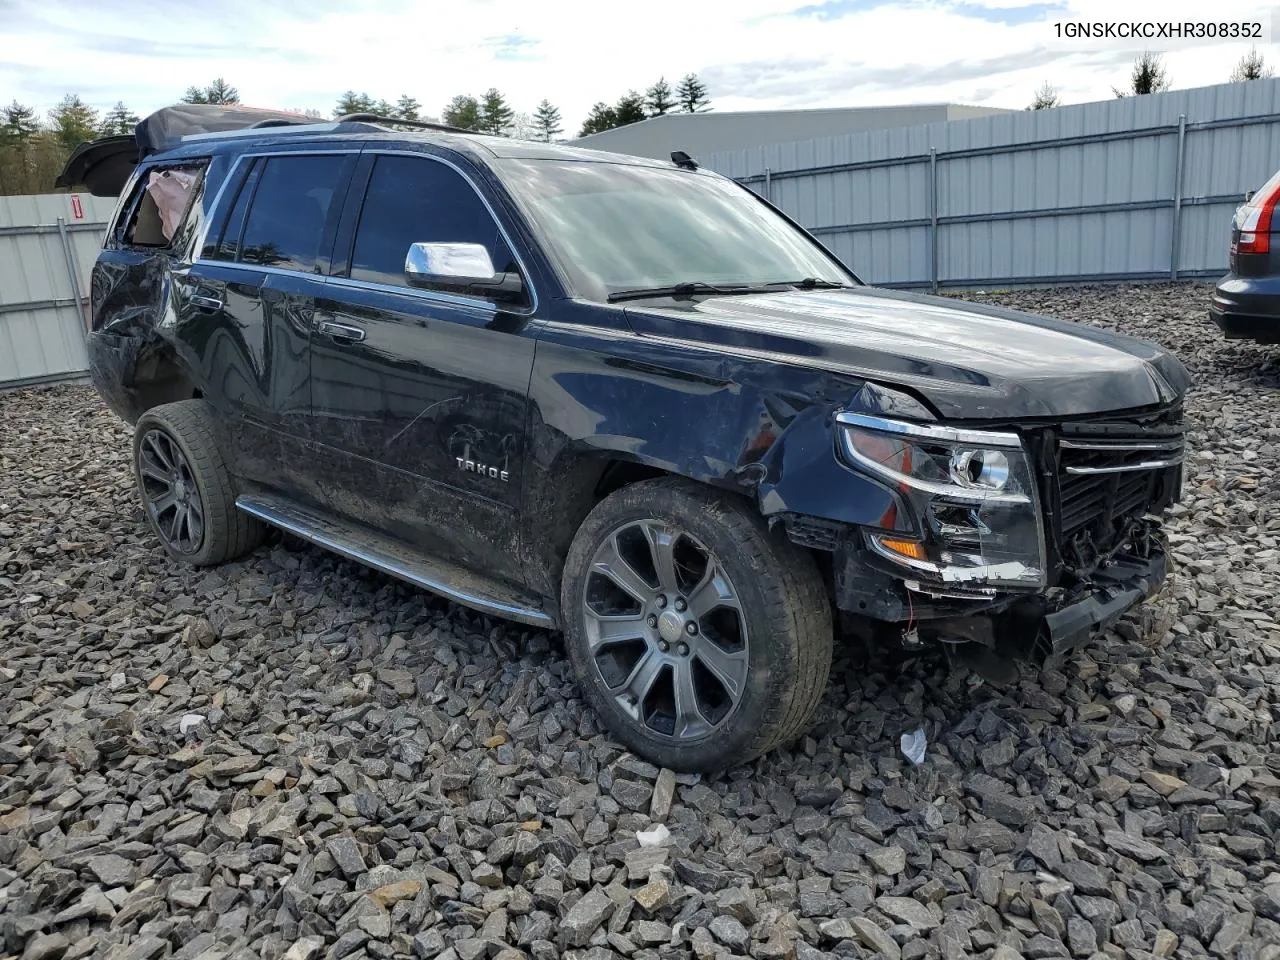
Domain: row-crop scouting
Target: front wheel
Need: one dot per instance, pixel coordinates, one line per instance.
(701, 640)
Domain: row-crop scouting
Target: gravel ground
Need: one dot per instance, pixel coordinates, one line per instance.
(293, 756)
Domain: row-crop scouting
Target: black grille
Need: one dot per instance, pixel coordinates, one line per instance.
(1111, 472)
(1089, 500)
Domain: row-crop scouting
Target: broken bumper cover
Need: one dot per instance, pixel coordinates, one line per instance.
(1038, 627)
(1118, 588)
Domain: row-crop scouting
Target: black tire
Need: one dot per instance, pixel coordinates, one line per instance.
(777, 590)
(225, 533)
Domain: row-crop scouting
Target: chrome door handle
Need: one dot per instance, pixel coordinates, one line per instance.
(340, 331)
(206, 303)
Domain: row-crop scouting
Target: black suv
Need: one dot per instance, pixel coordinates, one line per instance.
(622, 398)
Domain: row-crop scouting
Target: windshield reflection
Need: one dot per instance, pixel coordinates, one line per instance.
(615, 226)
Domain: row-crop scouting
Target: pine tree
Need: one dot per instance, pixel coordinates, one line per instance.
(659, 99)
(1252, 66)
(118, 120)
(221, 92)
(18, 122)
(352, 102)
(602, 117)
(462, 111)
(1148, 76)
(1046, 98)
(495, 115)
(547, 120)
(73, 121)
(629, 109)
(693, 94)
(407, 108)
(383, 109)
(217, 92)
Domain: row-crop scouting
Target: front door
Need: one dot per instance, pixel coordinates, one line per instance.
(419, 398)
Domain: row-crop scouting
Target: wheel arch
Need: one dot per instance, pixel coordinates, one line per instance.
(137, 371)
(570, 487)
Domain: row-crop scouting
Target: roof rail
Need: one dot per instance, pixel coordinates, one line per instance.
(282, 122)
(396, 121)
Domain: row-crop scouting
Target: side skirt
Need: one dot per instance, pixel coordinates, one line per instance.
(383, 553)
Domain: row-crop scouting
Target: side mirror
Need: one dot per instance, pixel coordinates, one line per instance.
(460, 268)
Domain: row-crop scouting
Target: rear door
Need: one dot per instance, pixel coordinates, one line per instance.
(248, 303)
(419, 397)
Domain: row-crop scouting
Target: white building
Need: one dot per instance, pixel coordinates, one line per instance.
(700, 134)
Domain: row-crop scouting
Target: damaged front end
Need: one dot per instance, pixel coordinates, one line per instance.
(1024, 540)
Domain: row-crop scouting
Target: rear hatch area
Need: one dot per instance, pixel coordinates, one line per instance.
(104, 166)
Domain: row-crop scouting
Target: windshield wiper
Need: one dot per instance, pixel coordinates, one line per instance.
(686, 290)
(810, 283)
(698, 288)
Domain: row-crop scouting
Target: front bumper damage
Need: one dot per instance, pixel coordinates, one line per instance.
(1038, 628)
(1117, 588)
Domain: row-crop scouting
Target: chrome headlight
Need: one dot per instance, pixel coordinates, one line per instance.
(972, 493)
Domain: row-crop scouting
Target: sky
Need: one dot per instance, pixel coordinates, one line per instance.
(752, 54)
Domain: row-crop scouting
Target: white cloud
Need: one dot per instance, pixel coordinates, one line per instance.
(760, 53)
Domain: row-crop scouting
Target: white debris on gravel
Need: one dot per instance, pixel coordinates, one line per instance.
(380, 774)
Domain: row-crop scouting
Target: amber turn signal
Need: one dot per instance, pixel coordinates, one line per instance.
(907, 548)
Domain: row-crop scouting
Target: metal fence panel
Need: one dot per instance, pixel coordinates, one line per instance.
(1137, 188)
(48, 245)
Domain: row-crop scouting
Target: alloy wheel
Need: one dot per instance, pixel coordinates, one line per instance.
(666, 630)
(170, 492)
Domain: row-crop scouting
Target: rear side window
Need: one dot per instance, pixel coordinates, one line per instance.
(226, 244)
(161, 204)
(288, 211)
(415, 200)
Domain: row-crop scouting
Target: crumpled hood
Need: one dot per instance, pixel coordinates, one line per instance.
(970, 361)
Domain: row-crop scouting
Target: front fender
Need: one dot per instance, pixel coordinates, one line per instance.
(760, 429)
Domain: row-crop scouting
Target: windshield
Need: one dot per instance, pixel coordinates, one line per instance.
(615, 227)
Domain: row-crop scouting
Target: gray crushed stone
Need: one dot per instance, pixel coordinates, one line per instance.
(291, 756)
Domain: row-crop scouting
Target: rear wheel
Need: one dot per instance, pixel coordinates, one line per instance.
(187, 492)
(701, 640)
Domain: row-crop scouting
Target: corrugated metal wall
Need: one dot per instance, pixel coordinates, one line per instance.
(45, 241)
(1139, 188)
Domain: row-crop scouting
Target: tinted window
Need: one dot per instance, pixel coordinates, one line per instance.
(414, 200)
(229, 241)
(289, 210)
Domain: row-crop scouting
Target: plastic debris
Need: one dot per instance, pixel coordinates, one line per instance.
(655, 837)
(189, 722)
(913, 746)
